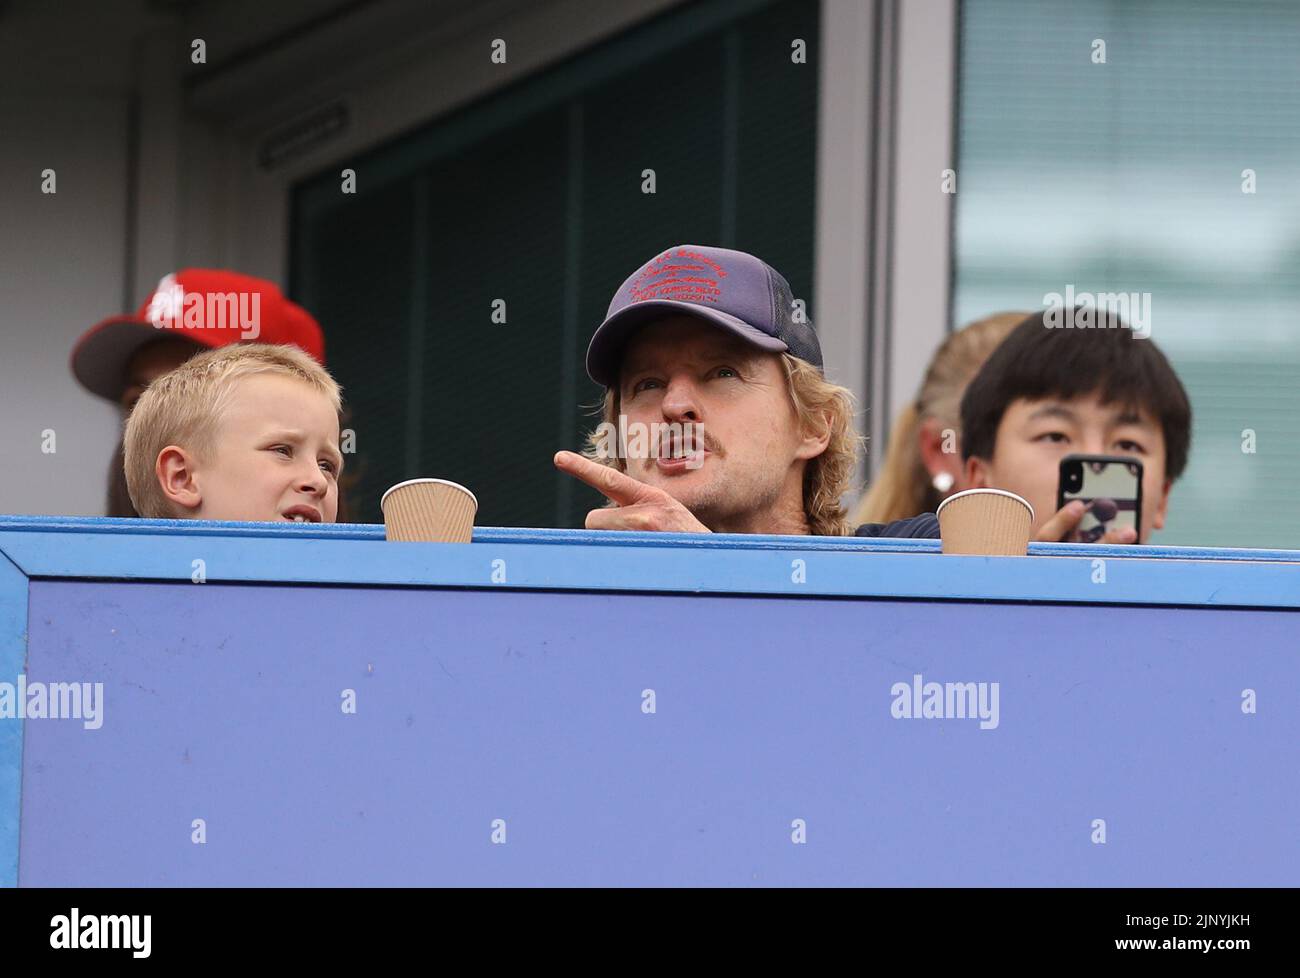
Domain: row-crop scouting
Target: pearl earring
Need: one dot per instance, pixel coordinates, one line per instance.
(942, 482)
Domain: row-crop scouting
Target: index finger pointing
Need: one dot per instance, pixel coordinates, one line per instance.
(605, 479)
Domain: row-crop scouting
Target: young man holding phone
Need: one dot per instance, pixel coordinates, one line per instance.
(1050, 392)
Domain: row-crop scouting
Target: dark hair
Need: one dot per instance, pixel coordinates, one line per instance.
(1041, 359)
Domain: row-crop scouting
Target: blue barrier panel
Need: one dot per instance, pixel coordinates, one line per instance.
(572, 708)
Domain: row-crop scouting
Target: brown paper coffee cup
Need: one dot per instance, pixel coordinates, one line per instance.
(429, 511)
(986, 522)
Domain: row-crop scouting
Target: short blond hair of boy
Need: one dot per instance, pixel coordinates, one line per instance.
(184, 407)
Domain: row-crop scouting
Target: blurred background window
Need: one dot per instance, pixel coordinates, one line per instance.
(1127, 176)
(530, 204)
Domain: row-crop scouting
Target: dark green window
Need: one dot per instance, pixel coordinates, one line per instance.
(533, 196)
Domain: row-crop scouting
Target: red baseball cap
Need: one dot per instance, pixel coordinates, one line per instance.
(211, 307)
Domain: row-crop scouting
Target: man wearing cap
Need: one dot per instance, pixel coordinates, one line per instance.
(191, 310)
(703, 347)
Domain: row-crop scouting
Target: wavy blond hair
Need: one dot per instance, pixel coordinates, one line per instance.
(184, 407)
(904, 487)
(826, 478)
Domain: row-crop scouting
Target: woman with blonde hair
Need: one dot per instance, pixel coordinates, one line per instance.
(922, 463)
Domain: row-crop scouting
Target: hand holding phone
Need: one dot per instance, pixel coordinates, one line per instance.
(1110, 489)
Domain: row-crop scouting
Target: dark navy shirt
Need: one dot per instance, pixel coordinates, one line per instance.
(925, 526)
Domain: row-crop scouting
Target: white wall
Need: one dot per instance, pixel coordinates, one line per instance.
(61, 266)
(60, 272)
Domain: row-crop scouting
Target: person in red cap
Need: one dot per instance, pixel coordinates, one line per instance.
(192, 310)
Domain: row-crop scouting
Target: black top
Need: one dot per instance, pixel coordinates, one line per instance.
(925, 526)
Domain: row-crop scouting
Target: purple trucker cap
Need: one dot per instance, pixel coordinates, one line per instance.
(730, 289)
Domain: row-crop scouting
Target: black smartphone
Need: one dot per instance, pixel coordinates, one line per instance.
(1110, 485)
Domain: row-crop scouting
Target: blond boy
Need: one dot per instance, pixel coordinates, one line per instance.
(243, 432)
